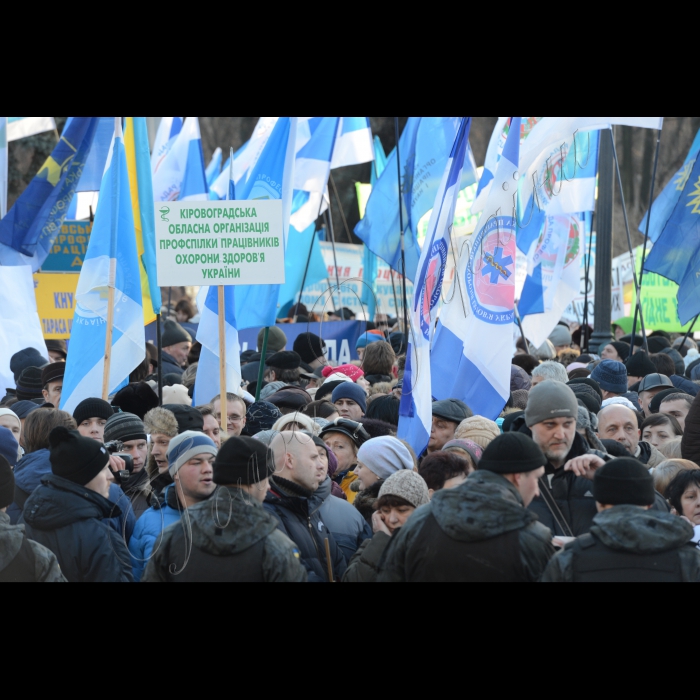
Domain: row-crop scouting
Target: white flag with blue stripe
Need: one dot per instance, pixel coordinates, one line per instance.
(472, 348)
(415, 422)
(22, 127)
(168, 129)
(111, 261)
(354, 143)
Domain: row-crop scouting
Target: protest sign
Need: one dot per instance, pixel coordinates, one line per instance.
(55, 300)
(229, 243)
(68, 251)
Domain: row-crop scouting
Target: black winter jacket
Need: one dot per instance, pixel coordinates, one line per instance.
(170, 365)
(301, 522)
(70, 520)
(690, 447)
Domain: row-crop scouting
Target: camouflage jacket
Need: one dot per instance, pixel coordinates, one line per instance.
(230, 537)
(47, 569)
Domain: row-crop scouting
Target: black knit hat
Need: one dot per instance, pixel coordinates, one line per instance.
(76, 458)
(624, 482)
(29, 384)
(638, 340)
(639, 365)
(53, 373)
(309, 347)
(29, 357)
(261, 416)
(138, 399)
(7, 483)
(174, 333)
(512, 453)
(244, 461)
(284, 360)
(590, 397)
(589, 382)
(92, 408)
(658, 344)
(187, 417)
(58, 346)
(622, 349)
(124, 427)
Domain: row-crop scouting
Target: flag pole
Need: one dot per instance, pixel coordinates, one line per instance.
(403, 232)
(112, 282)
(690, 330)
(646, 241)
(159, 369)
(637, 286)
(263, 358)
(329, 219)
(303, 281)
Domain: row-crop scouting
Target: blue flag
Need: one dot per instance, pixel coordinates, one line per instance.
(676, 254)
(33, 223)
(425, 148)
(666, 202)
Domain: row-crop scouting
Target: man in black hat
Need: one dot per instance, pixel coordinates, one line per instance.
(480, 532)
(29, 386)
(447, 415)
(233, 538)
(52, 381)
(628, 543)
(652, 385)
(638, 366)
(177, 343)
(284, 367)
(311, 349)
(57, 350)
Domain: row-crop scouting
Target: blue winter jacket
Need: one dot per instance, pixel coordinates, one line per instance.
(149, 529)
(32, 468)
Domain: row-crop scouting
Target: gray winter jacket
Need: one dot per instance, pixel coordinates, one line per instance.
(485, 507)
(344, 521)
(636, 531)
(46, 565)
(233, 539)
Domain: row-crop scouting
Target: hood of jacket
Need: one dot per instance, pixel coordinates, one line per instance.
(11, 537)
(631, 529)
(31, 469)
(485, 506)
(59, 503)
(228, 523)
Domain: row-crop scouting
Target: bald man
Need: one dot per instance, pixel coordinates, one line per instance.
(620, 423)
(298, 472)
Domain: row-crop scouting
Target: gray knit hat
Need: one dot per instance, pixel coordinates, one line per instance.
(384, 456)
(550, 400)
(407, 485)
(124, 427)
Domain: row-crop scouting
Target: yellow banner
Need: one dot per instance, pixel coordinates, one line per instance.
(55, 300)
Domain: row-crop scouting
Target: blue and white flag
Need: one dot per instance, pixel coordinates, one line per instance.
(111, 261)
(22, 127)
(676, 254)
(3, 166)
(168, 129)
(271, 177)
(180, 176)
(354, 144)
(30, 228)
(493, 155)
(666, 202)
(214, 167)
(426, 143)
(416, 403)
(472, 348)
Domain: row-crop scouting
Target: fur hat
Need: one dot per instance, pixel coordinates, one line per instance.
(160, 421)
(138, 399)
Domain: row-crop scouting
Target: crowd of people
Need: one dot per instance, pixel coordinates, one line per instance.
(590, 474)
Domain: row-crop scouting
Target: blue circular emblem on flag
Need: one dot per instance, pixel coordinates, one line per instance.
(490, 276)
(432, 285)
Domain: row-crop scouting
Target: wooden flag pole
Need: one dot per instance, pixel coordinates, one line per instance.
(222, 359)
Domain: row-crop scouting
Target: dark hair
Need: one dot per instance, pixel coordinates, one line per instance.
(384, 408)
(320, 409)
(579, 373)
(391, 502)
(664, 364)
(660, 419)
(680, 484)
(526, 362)
(439, 467)
(287, 376)
(39, 425)
(521, 345)
(379, 358)
(186, 307)
(678, 396)
(616, 449)
(141, 372)
(378, 428)
(660, 334)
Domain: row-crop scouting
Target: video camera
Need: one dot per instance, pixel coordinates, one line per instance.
(116, 449)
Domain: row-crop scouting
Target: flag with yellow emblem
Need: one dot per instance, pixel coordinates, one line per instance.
(138, 160)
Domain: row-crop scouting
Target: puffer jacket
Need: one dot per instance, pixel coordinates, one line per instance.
(690, 446)
(478, 532)
(32, 468)
(632, 530)
(344, 521)
(233, 540)
(70, 520)
(164, 512)
(301, 522)
(44, 562)
(170, 365)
